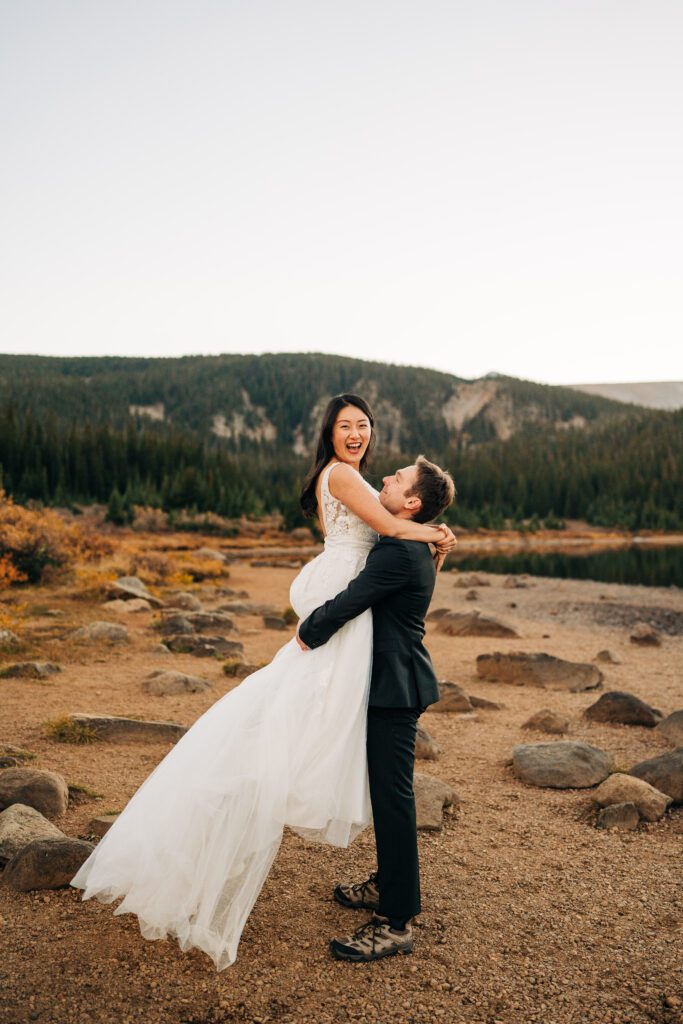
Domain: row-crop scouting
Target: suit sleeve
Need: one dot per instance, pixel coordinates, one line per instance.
(386, 570)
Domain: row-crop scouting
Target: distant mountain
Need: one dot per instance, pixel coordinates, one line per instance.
(666, 394)
(276, 400)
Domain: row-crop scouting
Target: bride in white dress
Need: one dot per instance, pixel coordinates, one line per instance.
(192, 848)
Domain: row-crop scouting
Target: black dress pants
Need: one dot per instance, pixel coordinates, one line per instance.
(391, 758)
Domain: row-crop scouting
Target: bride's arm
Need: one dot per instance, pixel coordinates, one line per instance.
(346, 485)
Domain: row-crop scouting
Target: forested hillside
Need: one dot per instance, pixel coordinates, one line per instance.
(232, 434)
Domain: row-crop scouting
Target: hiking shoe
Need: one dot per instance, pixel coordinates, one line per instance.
(361, 896)
(372, 941)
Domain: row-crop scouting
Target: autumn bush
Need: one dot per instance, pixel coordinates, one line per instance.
(36, 540)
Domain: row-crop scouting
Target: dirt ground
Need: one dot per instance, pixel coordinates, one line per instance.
(529, 912)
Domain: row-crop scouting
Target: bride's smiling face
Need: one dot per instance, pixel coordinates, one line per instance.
(351, 435)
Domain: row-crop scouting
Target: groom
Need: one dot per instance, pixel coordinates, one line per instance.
(397, 583)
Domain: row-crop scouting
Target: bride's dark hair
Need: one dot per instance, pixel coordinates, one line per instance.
(325, 448)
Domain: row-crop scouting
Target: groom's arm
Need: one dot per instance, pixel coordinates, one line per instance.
(387, 569)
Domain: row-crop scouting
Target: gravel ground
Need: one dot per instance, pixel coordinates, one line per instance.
(529, 912)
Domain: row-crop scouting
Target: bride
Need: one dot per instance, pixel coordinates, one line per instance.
(192, 848)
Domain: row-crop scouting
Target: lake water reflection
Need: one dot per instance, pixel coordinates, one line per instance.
(650, 566)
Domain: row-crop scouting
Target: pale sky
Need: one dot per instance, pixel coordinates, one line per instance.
(470, 186)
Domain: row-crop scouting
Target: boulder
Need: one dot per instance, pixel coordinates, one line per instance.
(100, 825)
(9, 640)
(136, 604)
(122, 730)
(437, 614)
(607, 657)
(235, 668)
(471, 595)
(46, 791)
(184, 600)
(623, 817)
(620, 708)
(431, 796)
(563, 764)
(472, 624)
(29, 670)
(547, 721)
(210, 553)
(47, 864)
(131, 587)
(542, 670)
(176, 625)
(161, 683)
(671, 728)
(516, 582)
(664, 772)
(645, 635)
(274, 622)
(107, 632)
(452, 698)
(620, 788)
(20, 825)
(204, 646)
(426, 747)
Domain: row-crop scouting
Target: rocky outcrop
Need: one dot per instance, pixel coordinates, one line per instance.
(472, 624)
(542, 670)
(29, 670)
(121, 730)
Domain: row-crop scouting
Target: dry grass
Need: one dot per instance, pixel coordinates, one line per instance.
(65, 730)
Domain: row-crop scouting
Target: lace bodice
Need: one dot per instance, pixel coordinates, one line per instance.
(340, 523)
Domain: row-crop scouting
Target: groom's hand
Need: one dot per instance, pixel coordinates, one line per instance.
(300, 642)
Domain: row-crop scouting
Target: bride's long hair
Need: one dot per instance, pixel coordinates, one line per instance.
(325, 449)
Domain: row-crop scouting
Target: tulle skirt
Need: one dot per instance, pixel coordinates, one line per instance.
(191, 850)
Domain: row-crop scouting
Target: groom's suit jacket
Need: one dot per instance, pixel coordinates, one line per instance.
(397, 583)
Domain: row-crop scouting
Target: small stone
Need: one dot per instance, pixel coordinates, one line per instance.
(483, 702)
(547, 721)
(624, 817)
(451, 698)
(607, 657)
(426, 747)
(620, 788)
(671, 728)
(431, 797)
(160, 683)
(618, 707)
(472, 579)
(100, 825)
(204, 646)
(29, 670)
(108, 632)
(46, 864)
(184, 600)
(46, 791)
(645, 635)
(8, 639)
(471, 595)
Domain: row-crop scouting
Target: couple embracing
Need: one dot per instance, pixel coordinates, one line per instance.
(320, 740)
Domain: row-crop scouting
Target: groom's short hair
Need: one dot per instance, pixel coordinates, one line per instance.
(435, 489)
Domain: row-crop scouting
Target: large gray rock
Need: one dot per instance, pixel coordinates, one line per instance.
(665, 773)
(176, 625)
(274, 622)
(19, 826)
(29, 670)
(204, 646)
(547, 721)
(103, 632)
(46, 864)
(426, 747)
(100, 825)
(542, 670)
(623, 817)
(218, 621)
(620, 788)
(134, 605)
(132, 588)
(564, 764)
(186, 601)
(122, 730)
(672, 728)
(161, 683)
(620, 708)
(247, 608)
(431, 797)
(210, 553)
(472, 624)
(452, 698)
(46, 791)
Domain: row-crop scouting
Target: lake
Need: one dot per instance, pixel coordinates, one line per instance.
(647, 565)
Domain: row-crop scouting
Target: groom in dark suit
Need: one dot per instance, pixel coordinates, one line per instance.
(397, 583)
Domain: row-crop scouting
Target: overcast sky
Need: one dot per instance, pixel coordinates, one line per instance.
(471, 186)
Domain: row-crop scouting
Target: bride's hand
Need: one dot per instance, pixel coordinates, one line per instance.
(443, 544)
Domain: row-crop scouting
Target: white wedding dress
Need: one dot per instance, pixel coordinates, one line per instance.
(192, 848)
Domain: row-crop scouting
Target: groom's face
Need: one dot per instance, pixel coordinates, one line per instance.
(393, 494)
